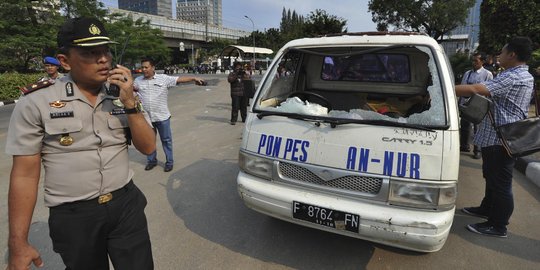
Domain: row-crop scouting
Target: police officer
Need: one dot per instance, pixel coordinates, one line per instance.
(80, 134)
(51, 68)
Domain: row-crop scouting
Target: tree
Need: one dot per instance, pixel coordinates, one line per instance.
(291, 25)
(83, 8)
(28, 31)
(433, 17)
(138, 39)
(502, 19)
(321, 23)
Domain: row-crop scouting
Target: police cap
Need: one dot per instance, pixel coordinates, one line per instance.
(51, 61)
(83, 32)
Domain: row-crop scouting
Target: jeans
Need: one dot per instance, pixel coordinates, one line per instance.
(165, 135)
(497, 169)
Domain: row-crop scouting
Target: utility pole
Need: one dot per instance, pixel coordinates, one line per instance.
(253, 35)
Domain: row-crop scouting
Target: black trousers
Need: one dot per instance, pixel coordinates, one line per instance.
(86, 234)
(239, 103)
(498, 201)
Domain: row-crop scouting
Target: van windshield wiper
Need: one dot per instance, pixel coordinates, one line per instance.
(316, 118)
(336, 122)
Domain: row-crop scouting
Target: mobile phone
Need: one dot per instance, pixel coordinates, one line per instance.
(113, 89)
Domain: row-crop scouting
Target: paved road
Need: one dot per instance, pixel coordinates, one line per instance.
(197, 220)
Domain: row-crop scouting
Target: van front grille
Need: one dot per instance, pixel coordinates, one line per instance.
(357, 183)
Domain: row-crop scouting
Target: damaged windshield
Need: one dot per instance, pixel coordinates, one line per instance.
(398, 84)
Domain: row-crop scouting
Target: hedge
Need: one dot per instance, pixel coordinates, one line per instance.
(10, 83)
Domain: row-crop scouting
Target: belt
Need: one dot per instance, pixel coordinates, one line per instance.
(102, 199)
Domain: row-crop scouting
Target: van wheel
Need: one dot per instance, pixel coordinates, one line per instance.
(307, 96)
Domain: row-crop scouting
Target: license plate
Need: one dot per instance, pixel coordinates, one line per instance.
(326, 217)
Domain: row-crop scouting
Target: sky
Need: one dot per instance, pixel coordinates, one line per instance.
(267, 13)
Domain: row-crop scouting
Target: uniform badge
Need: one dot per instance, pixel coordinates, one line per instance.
(118, 103)
(57, 104)
(66, 140)
(69, 89)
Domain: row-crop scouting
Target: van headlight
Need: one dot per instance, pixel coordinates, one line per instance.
(429, 196)
(255, 165)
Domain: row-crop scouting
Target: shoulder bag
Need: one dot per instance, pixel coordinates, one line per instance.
(522, 137)
(475, 108)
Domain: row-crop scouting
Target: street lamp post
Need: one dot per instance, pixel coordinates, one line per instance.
(253, 35)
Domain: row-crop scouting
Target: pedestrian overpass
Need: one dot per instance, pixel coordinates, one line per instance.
(192, 35)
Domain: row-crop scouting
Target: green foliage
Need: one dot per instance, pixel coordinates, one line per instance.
(294, 26)
(460, 63)
(83, 8)
(433, 17)
(139, 39)
(10, 84)
(321, 23)
(502, 19)
(27, 32)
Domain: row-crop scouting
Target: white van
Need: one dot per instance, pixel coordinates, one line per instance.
(356, 134)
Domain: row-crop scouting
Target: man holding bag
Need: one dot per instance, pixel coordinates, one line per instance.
(511, 93)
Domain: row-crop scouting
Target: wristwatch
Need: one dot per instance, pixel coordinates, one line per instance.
(137, 109)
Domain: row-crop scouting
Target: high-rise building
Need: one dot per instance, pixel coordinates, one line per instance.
(464, 38)
(202, 11)
(155, 7)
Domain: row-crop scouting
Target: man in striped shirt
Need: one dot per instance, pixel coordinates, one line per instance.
(153, 90)
(511, 93)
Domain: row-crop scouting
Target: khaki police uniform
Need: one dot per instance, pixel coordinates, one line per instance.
(84, 148)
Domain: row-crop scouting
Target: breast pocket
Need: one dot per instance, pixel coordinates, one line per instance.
(62, 126)
(118, 126)
(63, 131)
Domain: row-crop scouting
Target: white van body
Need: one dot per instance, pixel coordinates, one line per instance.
(376, 158)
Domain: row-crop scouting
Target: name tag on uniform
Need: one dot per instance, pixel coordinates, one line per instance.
(61, 114)
(117, 111)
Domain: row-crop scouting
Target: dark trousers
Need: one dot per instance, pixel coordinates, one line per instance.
(465, 134)
(239, 103)
(497, 169)
(86, 234)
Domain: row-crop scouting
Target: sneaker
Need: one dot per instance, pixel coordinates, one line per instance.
(474, 211)
(233, 123)
(485, 228)
(477, 155)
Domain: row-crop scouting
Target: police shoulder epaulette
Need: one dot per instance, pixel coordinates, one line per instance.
(36, 86)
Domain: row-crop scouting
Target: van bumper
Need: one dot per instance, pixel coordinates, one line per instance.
(407, 228)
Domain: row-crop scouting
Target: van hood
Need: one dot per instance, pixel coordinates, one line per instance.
(380, 150)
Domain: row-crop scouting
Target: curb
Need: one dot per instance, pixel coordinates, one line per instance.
(6, 102)
(530, 167)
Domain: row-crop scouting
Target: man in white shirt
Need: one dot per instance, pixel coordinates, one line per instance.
(476, 75)
(153, 90)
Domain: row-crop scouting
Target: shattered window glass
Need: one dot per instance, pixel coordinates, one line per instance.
(397, 84)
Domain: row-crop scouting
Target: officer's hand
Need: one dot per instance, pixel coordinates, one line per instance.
(121, 76)
(22, 257)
